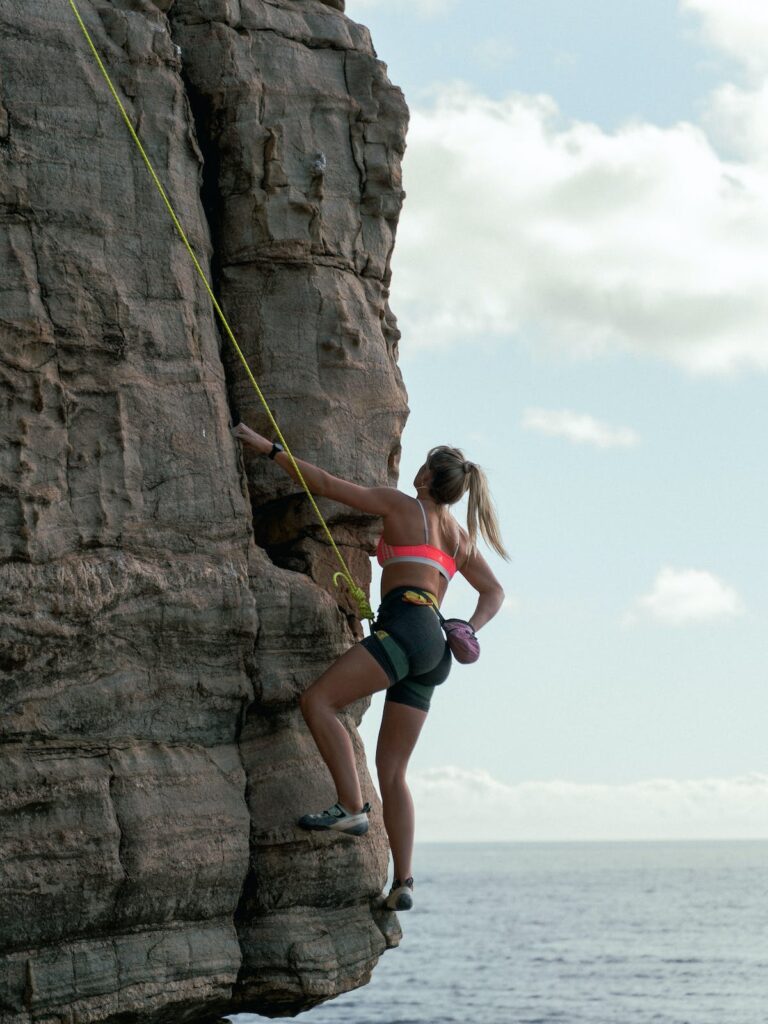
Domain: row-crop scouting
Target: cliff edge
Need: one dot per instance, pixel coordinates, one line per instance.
(165, 598)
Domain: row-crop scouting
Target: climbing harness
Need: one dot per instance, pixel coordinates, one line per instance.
(357, 592)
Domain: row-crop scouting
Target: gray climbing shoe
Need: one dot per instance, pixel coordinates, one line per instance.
(338, 819)
(400, 895)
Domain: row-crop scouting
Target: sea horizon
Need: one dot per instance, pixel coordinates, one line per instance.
(528, 842)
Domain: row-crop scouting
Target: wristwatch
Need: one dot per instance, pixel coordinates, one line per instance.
(276, 447)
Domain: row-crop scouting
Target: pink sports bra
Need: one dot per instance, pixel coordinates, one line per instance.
(425, 554)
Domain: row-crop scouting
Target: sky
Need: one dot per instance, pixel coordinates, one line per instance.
(581, 282)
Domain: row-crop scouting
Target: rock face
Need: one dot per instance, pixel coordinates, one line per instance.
(164, 598)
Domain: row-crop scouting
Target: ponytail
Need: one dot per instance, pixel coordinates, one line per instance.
(481, 513)
(452, 476)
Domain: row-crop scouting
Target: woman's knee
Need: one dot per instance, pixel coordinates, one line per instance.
(391, 775)
(318, 699)
(310, 701)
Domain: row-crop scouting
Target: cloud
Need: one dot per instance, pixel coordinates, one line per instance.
(519, 225)
(686, 595)
(579, 428)
(737, 27)
(736, 116)
(455, 804)
(737, 121)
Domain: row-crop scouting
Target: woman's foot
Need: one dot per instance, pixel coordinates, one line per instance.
(339, 819)
(400, 895)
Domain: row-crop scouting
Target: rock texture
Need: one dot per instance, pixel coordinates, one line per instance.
(163, 599)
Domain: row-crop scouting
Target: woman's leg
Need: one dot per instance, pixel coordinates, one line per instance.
(400, 728)
(354, 675)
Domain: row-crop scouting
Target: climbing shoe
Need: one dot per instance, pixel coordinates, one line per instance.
(400, 895)
(339, 819)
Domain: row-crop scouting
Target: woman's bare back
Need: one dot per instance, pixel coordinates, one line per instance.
(405, 526)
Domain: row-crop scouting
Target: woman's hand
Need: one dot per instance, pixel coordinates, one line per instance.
(257, 441)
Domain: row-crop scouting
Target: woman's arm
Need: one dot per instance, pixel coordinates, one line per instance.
(378, 501)
(491, 593)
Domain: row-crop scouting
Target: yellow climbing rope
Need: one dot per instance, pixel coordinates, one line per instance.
(357, 592)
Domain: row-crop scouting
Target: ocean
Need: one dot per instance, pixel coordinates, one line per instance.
(574, 933)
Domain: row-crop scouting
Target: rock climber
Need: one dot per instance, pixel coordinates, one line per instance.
(407, 653)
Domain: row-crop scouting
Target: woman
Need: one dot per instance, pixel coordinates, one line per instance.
(407, 654)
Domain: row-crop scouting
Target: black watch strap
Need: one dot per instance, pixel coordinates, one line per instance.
(276, 447)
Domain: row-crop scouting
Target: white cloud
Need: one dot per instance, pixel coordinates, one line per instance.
(736, 116)
(579, 428)
(738, 27)
(453, 804)
(737, 121)
(686, 595)
(518, 225)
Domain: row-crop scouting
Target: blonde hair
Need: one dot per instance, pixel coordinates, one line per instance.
(452, 476)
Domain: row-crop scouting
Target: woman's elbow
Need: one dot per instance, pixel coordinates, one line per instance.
(494, 595)
(321, 486)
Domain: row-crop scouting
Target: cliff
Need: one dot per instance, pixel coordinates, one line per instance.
(164, 598)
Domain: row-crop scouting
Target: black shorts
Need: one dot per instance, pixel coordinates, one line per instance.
(408, 642)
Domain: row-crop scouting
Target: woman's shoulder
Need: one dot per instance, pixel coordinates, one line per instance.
(454, 535)
(399, 502)
(454, 525)
(462, 532)
(401, 499)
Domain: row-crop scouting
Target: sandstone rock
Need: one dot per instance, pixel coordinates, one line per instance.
(163, 601)
(305, 198)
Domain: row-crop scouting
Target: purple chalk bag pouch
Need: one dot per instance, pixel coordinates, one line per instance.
(459, 634)
(462, 641)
